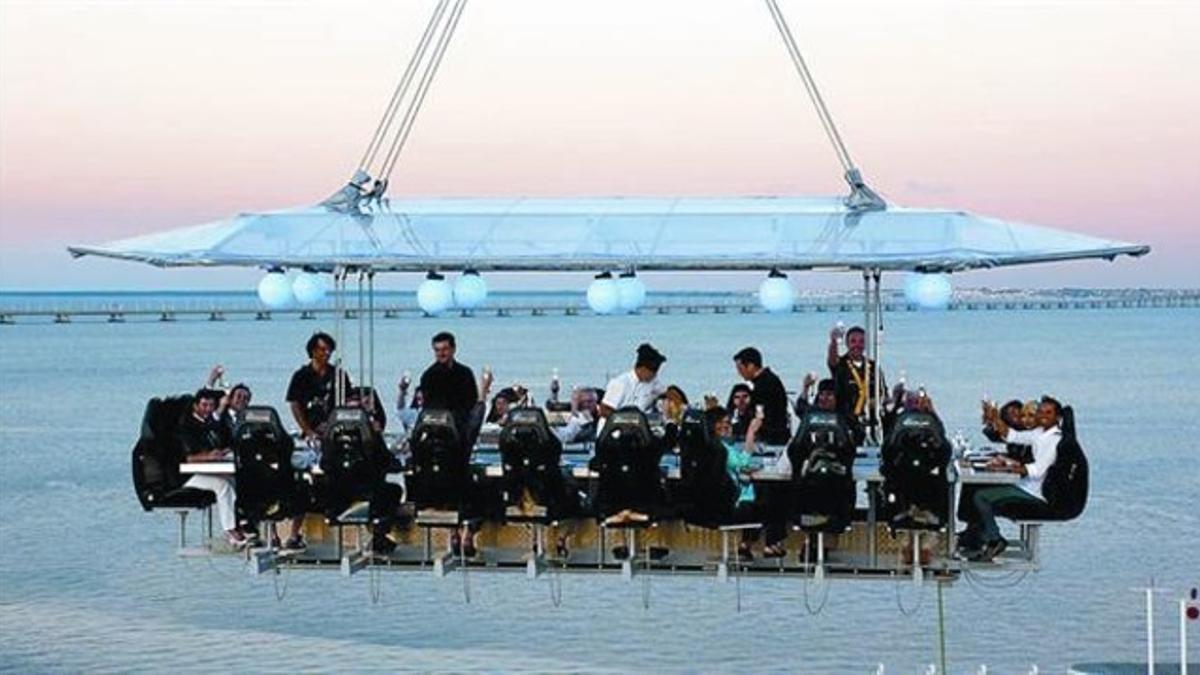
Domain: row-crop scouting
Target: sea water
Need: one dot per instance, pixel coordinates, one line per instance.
(88, 581)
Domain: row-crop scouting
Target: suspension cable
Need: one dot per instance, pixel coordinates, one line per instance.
(431, 68)
(861, 196)
(389, 115)
(810, 85)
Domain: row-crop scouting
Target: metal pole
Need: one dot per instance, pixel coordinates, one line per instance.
(339, 287)
(371, 325)
(942, 628)
(1183, 664)
(869, 337)
(1150, 630)
(362, 368)
(877, 375)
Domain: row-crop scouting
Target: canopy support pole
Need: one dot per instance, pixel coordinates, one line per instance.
(877, 372)
(362, 355)
(339, 305)
(371, 328)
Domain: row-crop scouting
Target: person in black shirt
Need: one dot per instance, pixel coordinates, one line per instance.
(854, 375)
(204, 439)
(311, 391)
(768, 394)
(450, 385)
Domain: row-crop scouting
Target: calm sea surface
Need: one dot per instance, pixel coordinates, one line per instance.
(90, 582)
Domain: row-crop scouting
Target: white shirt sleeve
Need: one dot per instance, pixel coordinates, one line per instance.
(1045, 451)
(614, 392)
(1028, 437)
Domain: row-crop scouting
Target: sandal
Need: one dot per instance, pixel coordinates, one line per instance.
(774, 551)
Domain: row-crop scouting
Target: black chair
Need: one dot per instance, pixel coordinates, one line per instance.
(440, 483)
(629, 477)
(533, 487)
(913, 461)
(155, 462)
(440, 473)
(822, 458)
(262, 457)
(355, 462)
(705, 493)
(627, 462)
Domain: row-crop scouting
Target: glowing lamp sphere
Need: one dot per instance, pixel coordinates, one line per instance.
(275, 291)
(603, 296)
(631, 293)
(309, 288)
(435, 295)
(928, 291)
(470, 290)
(776, 294)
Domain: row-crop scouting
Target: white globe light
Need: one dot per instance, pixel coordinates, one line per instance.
(309, 288)
(929, 291)
(470, 290)
(776, 294)
(603, 296)
(434, 295)
(631, 293)
(274, 290)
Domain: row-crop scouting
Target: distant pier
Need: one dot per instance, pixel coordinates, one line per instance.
(735, 304)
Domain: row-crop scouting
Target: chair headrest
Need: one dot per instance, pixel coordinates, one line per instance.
(526, 421)
(1068, 422)
(694, 432)
(627, 425)
(263, 415)
(434, 423)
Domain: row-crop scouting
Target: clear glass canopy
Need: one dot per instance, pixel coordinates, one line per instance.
(607, 233)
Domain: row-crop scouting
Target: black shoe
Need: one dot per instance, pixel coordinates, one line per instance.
(659, 552)
(295, 543)
(744, 554)
(993, 549)
(620, 552)
(381, 545)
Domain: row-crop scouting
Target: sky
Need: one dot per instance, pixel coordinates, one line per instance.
(122, 118)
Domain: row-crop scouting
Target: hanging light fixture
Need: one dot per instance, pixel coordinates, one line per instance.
(603, 295)
(631, 292)
(434, 295)
(470, 290)
(775, 293)
(309, 287)
(928, 291)
(274, 289)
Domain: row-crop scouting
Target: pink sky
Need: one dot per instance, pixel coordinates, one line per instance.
(125, 118)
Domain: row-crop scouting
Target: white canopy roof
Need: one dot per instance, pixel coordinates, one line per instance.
(685, 233)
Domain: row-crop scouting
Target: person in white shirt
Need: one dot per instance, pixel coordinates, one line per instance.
(1043, 439)
(639, 387)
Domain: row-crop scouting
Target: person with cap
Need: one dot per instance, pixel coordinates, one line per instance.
(767, 394)
(639, 387)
